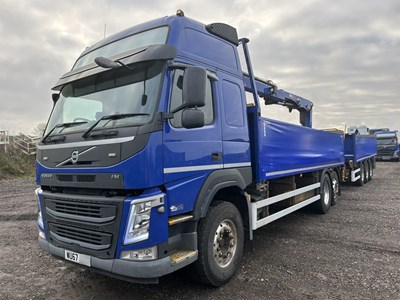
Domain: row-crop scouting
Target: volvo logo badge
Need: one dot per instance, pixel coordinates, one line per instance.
(74, 157)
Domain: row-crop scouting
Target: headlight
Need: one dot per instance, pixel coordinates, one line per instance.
(139, 219)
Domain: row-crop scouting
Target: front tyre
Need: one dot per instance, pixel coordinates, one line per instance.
(220, 244)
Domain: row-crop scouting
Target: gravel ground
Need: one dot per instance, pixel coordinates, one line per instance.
(351, 253)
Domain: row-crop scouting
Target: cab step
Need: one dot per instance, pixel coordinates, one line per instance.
(181, 256)
(179, 219)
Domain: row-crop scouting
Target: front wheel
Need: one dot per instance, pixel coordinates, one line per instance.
(220, 244)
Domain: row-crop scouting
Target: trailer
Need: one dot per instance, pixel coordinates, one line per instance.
(360, 153)
(152, 160)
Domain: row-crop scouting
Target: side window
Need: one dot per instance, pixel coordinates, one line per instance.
(176, 100)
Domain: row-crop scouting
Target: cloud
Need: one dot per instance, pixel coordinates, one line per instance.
(343, 55)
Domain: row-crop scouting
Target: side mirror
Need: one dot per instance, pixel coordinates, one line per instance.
(192, 118)
(194, 87)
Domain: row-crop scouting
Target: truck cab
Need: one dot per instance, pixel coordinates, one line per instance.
(130, 149)
(388, 145)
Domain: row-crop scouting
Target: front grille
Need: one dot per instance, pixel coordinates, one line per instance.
(86, 178)
(78, 209)
(88, 211)
(65, 177)
(385, 152)
(85, 238)
(82, 223)
(77, 178)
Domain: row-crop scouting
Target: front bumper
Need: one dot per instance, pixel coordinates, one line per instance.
(133, 271)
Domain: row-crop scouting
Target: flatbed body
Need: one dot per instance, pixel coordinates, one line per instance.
(284, 149)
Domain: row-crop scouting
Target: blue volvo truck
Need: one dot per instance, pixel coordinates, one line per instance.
(152, 159)
(388, 145)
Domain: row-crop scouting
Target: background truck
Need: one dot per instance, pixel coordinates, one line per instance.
(388, 145)
(153, 161)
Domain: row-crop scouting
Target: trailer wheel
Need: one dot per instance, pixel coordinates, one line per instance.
(370, 170)
(335, 188)
(220, 244)
(365, 171)
(360, 181)
(322, 205)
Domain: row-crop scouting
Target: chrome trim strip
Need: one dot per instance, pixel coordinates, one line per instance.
(238, 165)
(366, 157)
(192, 168)
(70, 159)
(87, 143)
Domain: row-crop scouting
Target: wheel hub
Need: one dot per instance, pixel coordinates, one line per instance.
(335, 185)
(225, 243)
(326, 194)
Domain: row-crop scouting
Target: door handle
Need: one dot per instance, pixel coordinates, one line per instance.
(216, 156)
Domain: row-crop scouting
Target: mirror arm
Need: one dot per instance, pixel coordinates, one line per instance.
(180, 107)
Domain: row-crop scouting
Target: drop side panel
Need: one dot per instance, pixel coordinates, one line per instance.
(283, 149)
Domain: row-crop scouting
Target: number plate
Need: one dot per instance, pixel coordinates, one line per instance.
(385, 157)
(77, 258)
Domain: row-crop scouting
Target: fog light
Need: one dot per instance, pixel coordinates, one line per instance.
(140, 254)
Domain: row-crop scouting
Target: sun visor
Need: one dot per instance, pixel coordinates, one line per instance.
(148, 53)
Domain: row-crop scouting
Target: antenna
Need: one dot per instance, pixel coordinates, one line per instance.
(105, 29)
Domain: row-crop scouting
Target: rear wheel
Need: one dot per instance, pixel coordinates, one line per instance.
(370, 170)
(365, 171)
(324, 203)
(220, 244)
(335, 188)
(360, 181)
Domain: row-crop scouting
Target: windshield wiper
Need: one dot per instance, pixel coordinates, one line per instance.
(112, 117)
(62, 125)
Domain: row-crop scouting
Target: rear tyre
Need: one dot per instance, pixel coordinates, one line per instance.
(335, 188)
(220, 244)
(365, 171)
(360, 181)
(322, 205)
(370, 170)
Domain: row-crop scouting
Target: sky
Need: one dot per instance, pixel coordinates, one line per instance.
(343, 55)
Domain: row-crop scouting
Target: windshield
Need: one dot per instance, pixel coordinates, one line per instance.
(121, 91)
(387, 141)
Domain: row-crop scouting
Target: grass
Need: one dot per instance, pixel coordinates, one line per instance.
(14, 164)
